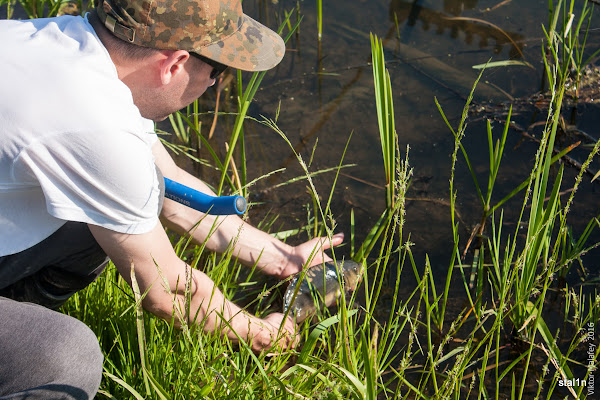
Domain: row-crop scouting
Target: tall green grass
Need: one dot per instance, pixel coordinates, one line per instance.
(521, 272)
(384, 102)
(567, 39)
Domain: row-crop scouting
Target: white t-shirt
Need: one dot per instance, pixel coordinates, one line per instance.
(73, 146)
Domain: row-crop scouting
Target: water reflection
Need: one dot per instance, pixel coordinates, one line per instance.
(456, 7)
(409, 12)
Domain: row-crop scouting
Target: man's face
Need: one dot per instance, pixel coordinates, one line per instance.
(184, 87)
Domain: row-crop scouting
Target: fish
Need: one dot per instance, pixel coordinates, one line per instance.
(320, 288)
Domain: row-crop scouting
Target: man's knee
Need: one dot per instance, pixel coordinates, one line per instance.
(46, 354)
(77, 361)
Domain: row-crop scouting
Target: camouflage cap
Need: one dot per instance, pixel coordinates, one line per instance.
(216, 29)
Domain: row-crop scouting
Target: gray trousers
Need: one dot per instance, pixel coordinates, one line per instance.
(45, 354)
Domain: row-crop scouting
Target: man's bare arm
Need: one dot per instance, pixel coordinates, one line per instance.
(251, 246)
(161, 274)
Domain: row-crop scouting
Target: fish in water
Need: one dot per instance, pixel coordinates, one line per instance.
(320, 285)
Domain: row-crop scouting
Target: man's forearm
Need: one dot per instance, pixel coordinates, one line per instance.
(250, 245)
(209, 309)
(166, 282)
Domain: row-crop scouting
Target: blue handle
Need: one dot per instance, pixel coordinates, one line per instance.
(223, 205)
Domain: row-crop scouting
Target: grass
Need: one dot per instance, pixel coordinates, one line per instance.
(401, 334)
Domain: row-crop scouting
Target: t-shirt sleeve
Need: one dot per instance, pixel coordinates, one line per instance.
(106, 179)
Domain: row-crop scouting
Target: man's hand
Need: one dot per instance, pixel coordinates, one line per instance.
(311, 253)
(270, 337)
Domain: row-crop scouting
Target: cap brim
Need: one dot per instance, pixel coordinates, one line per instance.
(254, 47)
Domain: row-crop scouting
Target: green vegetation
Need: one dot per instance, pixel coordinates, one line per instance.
(496, 342)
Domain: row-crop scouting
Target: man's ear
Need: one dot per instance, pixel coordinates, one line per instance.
(172, 64)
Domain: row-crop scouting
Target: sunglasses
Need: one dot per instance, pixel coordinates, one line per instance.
(218, 68)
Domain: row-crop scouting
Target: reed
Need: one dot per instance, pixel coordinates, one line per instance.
(385, 116)
(40, 8)
(319, 20)
(567, 39)
(185, 124)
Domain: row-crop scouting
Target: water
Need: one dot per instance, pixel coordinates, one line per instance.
(325, 95)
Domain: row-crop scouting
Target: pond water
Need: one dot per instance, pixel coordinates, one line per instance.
(325, 98)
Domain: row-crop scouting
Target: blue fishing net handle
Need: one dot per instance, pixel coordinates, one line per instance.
(215, 205)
